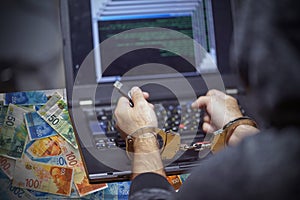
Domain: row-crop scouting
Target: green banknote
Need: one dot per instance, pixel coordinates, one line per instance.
(13, 133)
(55, 113)
(3, 111)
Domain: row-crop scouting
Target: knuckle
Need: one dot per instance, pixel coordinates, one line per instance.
(234, 100)
(210, 92)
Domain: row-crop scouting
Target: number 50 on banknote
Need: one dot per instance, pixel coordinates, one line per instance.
(55, 113)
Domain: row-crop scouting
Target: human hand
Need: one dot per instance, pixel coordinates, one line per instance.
(129, 119)
(220, 109)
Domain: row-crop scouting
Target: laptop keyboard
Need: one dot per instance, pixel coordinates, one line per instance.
(171, 116)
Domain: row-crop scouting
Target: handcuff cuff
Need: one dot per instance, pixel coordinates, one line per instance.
(169, 142)
(218, 140)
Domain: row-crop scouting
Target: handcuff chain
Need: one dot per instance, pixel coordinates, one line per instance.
(198, 146)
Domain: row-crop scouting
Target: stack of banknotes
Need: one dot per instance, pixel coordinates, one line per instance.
(39, 156)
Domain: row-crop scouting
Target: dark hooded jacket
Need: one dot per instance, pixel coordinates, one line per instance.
(266, 52)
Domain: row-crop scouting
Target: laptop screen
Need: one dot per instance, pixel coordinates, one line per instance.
(93, 22)
(112, 19)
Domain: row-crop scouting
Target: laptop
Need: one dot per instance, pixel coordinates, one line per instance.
(174, 49)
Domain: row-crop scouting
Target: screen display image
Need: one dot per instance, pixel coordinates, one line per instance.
(191, 18)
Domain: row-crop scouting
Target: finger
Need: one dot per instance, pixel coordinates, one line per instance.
(151, 105)
(206, 118)
(201, 102)
(207, 127)
(146, 95)
(122, 102)
(122, 105)
(215, 92)
(137, 95)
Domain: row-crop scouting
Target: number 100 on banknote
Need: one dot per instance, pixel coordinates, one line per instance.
(43, 177)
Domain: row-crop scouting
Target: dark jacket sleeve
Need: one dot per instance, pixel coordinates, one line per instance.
(150, 186)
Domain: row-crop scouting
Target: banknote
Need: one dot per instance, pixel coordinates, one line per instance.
(37, 107)
(175, 181)
(183, 177)
(7, 165)
(26, 98)
(120, 190)
(46, 147)
(39, 97)
(9, 192)
(43, 177)
(53, 160)
(28, 108)
(115, 191)
(3, 111)
(81, 181)
(13, 134)
(55, 113)
(37, 127)
(44, 195)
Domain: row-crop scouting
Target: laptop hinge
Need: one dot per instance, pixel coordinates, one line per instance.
(109, 175)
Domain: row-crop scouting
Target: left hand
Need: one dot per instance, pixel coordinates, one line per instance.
(220, 109)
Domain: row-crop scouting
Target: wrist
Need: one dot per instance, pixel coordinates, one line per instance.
(147, 142)
(142, 140)
(142, 147)
(146, 156)
(225, 136)
(240, 133)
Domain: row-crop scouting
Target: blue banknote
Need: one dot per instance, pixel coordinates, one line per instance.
(183, 177)
(26, 98)
(37, 127)
(118, 191)
(37, 107)
(44, 195)
(9, 192)
(114, 191)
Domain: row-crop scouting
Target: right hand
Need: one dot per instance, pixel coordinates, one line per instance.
(130, 119)
(220, 109)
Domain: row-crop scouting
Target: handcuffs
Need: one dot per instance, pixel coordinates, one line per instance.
(169, 142)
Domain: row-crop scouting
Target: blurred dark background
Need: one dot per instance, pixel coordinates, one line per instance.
(30, 45)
